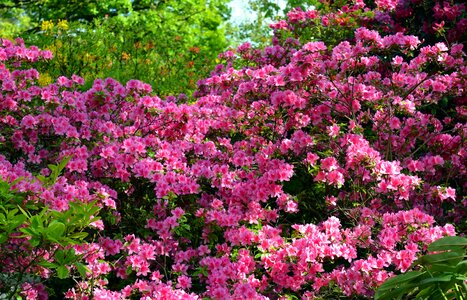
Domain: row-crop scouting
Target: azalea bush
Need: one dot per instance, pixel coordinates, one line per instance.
(316, 168)
(432, 20)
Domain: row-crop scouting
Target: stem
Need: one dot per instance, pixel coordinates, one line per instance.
(458, 292)
(442, 293)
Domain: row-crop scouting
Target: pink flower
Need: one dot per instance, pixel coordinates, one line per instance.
(29, 122)
(329, 164)
(183, 282)
(445, 193)
(178, 212)
(333, 130)
(98, 224)
(244, 291)
(335, 177)
(311, 158)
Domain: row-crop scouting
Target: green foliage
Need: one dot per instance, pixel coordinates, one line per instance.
(42, 230)
(10, 216)
(13, 21)
(65, 228)
(87, 10)
(440, 275)
(56, 170)
(168, 44)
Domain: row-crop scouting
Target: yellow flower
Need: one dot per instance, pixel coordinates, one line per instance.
(63, 24)
(44, 79)
(52, 48)
(47, 25)
(88, 57)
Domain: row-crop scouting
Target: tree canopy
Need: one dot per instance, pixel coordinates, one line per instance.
(169, 43)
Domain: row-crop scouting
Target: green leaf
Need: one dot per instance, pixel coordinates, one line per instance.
(427, 292)
(442, 278)
(448, 243)
(60, 256)
(397, 286)
(442, 268)
(47, 264)
(41, 178)
(439, 293)
(70, 256)
(201, 270)
(17, 221)
(451, 258)
(3, 238)
(78, 235)
(82, 269)
(55, 230)
(28, 231)
(461, 267)
(63, 163)
(395, 293)
(398, 280)
(24, 212)
(34, 242)
(62, 272)
(65, 257)
(37, 222)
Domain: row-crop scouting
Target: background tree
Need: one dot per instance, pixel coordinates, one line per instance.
(257, 30)
(168, 44)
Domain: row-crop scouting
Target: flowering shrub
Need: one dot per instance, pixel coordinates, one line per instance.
(301, 171)
(434, 20)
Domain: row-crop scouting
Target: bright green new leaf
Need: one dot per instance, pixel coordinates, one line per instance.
(55, 230)
(47, 264)
(62, 272)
